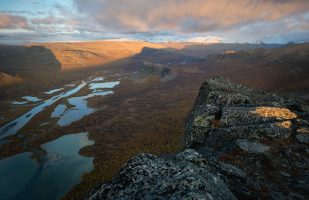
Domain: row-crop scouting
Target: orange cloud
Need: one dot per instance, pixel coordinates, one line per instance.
(8, 21)
(186, 15)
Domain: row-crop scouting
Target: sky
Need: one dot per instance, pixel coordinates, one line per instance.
(210, 21)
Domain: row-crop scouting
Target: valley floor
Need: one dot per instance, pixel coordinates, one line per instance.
(146, 113)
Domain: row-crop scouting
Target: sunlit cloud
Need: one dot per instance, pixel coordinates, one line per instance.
(159, 20)
(8, 21)
(206, 40)
(186, 16)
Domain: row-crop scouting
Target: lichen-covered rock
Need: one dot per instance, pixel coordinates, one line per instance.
(149, 177)
(244, 111)
(231, 169)
(303, 138)
(303, 131)
(259, 147)
(251, 147)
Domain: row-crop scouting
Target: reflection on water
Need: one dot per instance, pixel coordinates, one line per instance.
(61, 169)
(59, 110)
(54, 91)
(80, 108)
(28, 99)
(94, 86)
(97, 79)
(19, 102)
(21, 121)
(31, 98)
(66, 116)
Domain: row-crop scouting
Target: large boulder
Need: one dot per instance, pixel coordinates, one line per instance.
(246, 112)
(259, 133)
(149, 177)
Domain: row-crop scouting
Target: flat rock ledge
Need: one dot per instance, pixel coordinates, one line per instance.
(240, 143)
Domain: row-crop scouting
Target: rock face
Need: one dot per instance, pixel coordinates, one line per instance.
(241, 144)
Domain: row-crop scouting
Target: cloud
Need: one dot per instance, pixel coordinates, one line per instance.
(205, 40)
(17, 12)
(160, 20)
(46, 20)
(8, 21)
(186, 16)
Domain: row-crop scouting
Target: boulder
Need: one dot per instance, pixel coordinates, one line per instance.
(148, 177)
(251, 147)
(245, 111)
(302, 138)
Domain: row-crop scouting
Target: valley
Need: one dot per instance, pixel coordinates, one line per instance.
(130, 97)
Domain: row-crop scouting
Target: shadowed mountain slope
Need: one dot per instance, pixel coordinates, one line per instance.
(19, 59)
(280, 69)
(202, 50)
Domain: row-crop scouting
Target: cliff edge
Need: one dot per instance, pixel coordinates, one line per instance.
(240, 144)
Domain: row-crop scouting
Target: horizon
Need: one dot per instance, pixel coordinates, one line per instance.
(154, 42)
(245, 21)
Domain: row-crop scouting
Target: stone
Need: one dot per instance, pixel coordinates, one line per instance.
(303, 138)
(148, 177)
(246, 112)
(252, 147)
(232, 170)
(303, 131)
(189, 155)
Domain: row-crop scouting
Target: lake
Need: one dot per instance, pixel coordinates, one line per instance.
(61, 168)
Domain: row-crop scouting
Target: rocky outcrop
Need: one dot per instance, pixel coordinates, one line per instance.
(149, 177)
(241, 144)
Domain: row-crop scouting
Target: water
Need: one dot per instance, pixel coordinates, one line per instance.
(98, 79)
(19, 102)
(108, 85)
(80, 108)
(67, 116)
(31, 98)
(15, 125)
(25, 178)
(59, 110)
(28, 99)
(54, 91)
